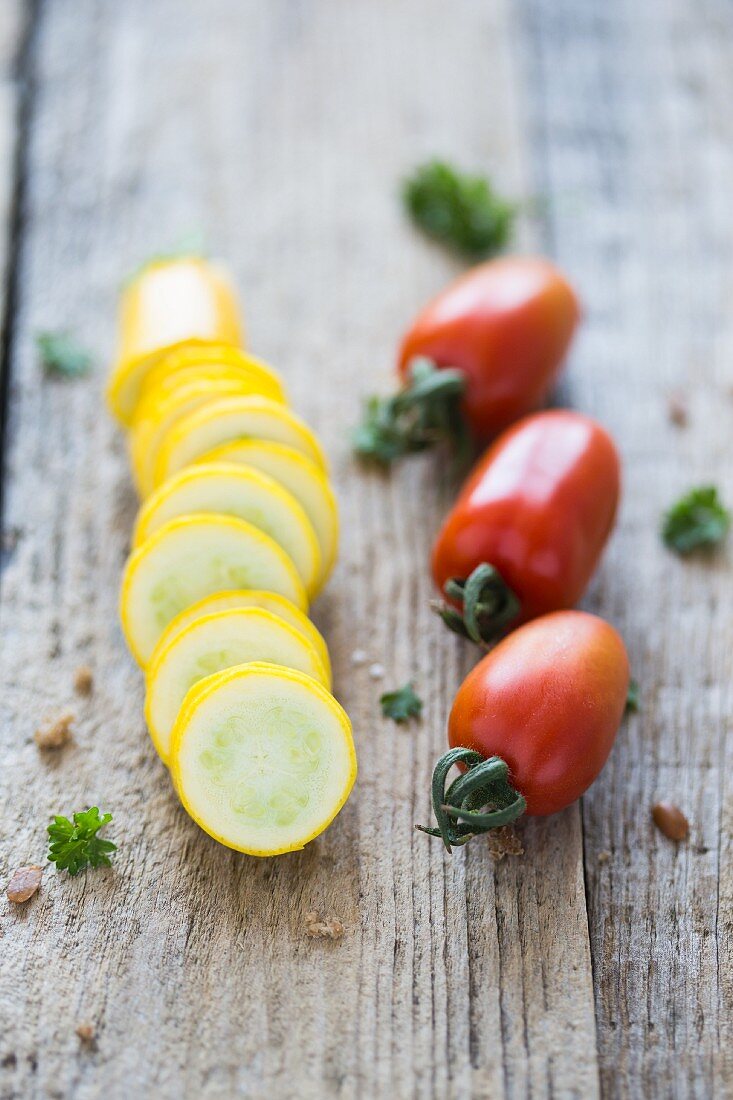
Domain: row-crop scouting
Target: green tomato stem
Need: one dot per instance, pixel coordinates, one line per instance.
(488, 605)
(484, 783)
(426, 411)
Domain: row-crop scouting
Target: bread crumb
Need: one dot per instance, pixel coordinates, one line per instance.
(604, 855)
(86, 1032)
(55, 733)
(323, 929)
(24, 883)
(504, 842)
(83, 680)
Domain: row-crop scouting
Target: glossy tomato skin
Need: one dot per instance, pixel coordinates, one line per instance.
(548, 700)
(507, 324)
(539, 506)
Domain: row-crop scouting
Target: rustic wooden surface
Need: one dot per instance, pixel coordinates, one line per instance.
(637, 154)
(601, 959)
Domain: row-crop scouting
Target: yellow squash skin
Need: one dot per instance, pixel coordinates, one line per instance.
(204, 689)
(179, 537)
(251, 597)
(169, 304)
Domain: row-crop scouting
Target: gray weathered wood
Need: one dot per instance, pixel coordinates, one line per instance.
(280, 129)
(633, 140)
(13, 19)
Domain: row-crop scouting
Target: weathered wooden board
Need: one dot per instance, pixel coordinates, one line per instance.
(14, 21)
(633, 141)
(281, 129)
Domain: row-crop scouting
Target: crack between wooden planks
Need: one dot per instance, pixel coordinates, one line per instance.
(23, 77)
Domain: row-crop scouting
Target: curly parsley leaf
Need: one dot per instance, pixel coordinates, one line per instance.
(75, 844)
(698, 519)
(459, 210)
(401, 705)
(61, 354)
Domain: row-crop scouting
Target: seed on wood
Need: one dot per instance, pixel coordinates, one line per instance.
(359, 657)
(670, 820)
(55, 733)
(324, 929)
(24, 884)
(376, 672)
(83, 680)
(677, 409)
(86, 1032)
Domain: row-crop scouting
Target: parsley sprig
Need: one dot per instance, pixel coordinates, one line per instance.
(75, 844)
(401, 705)
(459, 210)
(61, 354)
(698, 519)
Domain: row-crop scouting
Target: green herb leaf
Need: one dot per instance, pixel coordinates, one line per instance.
(423, 413)
(459, 210)
(633, 698)
(697, 519)
(75, 844)
(401, 705)
(60, 354)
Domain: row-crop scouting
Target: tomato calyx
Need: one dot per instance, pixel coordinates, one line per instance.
(487, 605)
(425, 412)
(484, 783)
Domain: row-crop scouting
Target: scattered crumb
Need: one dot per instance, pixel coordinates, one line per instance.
(376, 671)
(323, 929)
(359, 657)
(24, 883)
(55, 733)
(86, 1032)
(677, 409)
(83, 680)
(604, 855)
(504, 842)
(670, 820)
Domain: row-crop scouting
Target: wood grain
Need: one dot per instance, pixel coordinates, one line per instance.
(281, 130)
(14, 24)
(633, 143)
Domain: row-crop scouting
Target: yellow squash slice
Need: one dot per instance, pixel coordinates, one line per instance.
(300, 476)
(228, 419)
(262, 758)
(157, 414)
(237, 491)
(192, 557)
(219, 360)
(170, 303)
(251, 597)
(214, 643)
